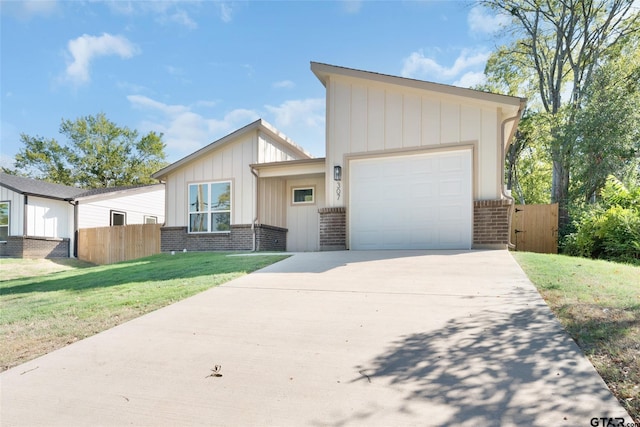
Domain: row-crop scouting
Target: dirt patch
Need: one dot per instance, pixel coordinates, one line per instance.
(13, 268)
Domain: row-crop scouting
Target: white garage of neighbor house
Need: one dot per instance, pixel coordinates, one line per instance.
(39, 219)
(409, 165)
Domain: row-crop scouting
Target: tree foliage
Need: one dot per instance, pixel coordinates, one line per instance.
(557, 47)
(98, 153)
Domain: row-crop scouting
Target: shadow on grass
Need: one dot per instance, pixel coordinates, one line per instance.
(491, 369)
(155, 268)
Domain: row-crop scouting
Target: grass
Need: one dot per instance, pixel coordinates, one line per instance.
(47, 304)
(598, 303)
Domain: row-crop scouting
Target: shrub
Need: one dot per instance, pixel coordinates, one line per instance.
(610, 229)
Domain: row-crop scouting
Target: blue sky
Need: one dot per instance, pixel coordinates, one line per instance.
(196, 71)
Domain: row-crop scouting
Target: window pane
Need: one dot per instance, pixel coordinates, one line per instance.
(303, 195)
(221, 196)
(4, 233)
(221, 221)
(198, 223)
(4, 213)
(198, 198)
(150, 220)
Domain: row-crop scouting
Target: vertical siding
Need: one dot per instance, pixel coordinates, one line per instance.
(303, 220)
(272, 201)
(16, 217)
(49, 218)
(270, 150)
(229, 162)
(390, 117)
(97, 213)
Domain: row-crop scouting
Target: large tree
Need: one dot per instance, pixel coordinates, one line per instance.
(556, 47)
(97, 153)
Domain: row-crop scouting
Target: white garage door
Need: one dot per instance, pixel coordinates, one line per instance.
(420, 201)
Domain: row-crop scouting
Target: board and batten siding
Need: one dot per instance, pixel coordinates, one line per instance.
(272, 202)
(371, 117)
(49, 218)
(16, 217)
(97, 212)
(303, 220)
(228, 162)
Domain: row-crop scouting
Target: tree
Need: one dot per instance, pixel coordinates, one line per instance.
(557, 47)
(98, 154)
(607, 126)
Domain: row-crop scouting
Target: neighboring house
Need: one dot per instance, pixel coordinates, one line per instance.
(40, 219)
(409, 165)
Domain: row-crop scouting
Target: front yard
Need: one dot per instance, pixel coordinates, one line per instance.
(48, 304)
(598, 303)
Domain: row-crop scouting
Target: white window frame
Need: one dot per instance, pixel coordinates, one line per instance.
(305, 202)
(150, 219)
(210, 211)
(124, 217)
(8, 224)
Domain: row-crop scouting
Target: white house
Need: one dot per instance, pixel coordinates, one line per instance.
(409, 165)
(41, 219)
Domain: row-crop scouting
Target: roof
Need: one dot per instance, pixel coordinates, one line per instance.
(36, 187)
(323, 71)
(259, 124)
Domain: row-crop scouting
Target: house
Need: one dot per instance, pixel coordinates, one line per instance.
(409, 165)
(39, 219)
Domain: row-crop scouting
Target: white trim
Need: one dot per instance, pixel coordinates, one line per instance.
(306, 202)
(209, 212)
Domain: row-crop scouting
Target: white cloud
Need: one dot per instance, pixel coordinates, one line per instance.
(165, 11)
(352, 6)
(29, 8)
(284, 84)
(307, 112)
(482, 22)
(417, 65)
(226, 13)
(86, 48)
(185, 130)
(181, 17)
(471, 79)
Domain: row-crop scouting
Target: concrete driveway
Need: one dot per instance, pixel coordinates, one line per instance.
(328, 339)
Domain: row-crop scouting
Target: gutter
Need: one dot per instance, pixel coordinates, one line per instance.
(502, 158)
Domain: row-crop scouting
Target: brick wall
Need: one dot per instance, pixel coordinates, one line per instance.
(491, 223)
(333, 229)
(35, 247)
(240, 238)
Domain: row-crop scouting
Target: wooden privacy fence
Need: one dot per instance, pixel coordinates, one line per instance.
(106, 245)
(534, 228)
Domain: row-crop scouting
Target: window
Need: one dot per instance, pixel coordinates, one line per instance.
(210, 207)
(118, 218)
(5, 209)
(150, 219)
(303, 196)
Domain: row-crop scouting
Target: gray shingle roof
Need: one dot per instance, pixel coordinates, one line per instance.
(36, 187)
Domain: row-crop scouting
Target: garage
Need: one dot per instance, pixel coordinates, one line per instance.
(420, 201)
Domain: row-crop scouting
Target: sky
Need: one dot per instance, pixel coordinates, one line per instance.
(198, 70)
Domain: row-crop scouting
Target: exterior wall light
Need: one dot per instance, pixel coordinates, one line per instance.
(337, 173)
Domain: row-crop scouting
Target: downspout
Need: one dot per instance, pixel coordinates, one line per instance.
(75, 227)
(25, 216)
(502, 160)
(255, 220)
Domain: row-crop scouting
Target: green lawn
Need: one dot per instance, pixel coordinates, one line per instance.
(47, 304)
(598, 303)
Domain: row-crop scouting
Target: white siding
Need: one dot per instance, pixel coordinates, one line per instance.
(49, 218)
(16, 218)
(270, 150)
(229, 162)
(371, 116)
(137, 205)
(272, 200)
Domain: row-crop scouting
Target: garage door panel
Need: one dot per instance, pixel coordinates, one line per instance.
(411, 202)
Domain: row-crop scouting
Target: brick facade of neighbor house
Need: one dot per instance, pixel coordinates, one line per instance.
(491, 223)
(35, 247)
(240, 238)
(333, 229)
